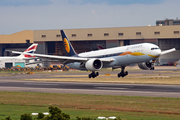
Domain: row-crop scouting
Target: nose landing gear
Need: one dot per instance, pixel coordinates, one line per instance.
(93, 74)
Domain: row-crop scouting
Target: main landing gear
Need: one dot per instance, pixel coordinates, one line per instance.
(93, 74)
(122, 73)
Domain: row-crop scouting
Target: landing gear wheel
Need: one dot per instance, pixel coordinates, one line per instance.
(152, 68)
(93, 74)
(126, 73)
(90, 76)
(97, 74)
(119, 75)
(122, 73)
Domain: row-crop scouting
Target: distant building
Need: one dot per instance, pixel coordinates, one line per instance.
(167, 22)
(12, 62)
(166, 36)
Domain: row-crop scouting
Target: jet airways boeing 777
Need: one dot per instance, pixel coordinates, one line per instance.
(119, 57)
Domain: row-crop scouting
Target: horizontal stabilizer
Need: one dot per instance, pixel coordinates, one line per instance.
(168, 51)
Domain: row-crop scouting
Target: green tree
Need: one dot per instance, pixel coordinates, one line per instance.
(8, 118)
(26, 117)
(40, 116)
(56, 114)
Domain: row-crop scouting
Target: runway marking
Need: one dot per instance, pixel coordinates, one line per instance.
(112, 88)
(39, 84)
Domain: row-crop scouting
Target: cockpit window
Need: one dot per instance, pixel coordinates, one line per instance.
(154, 48)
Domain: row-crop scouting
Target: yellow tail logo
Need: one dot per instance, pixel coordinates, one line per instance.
(66, 44)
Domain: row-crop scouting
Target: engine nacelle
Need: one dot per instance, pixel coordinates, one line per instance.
(93, 65)
(146, 66)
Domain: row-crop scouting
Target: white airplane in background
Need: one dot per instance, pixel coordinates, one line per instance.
(144, 54)
(31, 49)
(100, 47)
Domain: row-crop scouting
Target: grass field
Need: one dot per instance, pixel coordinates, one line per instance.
(127, 108)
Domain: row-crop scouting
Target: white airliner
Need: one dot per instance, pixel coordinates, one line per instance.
(31, 49)
(118, 57)
(100, 47)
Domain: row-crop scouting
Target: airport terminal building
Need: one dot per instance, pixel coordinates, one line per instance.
(83, 40)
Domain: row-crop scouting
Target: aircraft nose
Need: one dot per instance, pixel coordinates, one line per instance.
(157, 52)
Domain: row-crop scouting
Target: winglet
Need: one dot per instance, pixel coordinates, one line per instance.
(67, 45)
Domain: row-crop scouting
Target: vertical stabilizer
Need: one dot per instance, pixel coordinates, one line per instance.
(30, 49)
(67, 45)
(100, 47)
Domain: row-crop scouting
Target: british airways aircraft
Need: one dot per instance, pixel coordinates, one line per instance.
(144, 54)
(31, 49)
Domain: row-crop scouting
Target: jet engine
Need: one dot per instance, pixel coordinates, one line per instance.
(146, 65)
(93, 65)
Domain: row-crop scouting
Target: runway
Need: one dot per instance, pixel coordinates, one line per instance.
(17, 82)
(92, 88)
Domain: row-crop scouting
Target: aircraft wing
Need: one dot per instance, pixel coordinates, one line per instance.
(168, 51)
(106, 59)
(64, 59)
(59, 58)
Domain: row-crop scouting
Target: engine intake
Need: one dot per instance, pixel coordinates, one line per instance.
(93, 65)
(146, 66)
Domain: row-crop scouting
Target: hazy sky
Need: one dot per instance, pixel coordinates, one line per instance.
(18, 15)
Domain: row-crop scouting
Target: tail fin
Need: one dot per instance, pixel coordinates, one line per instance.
(67, 45)
(100, 47)
(30, 49)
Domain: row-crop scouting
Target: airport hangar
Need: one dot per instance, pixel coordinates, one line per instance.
(83, 40)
